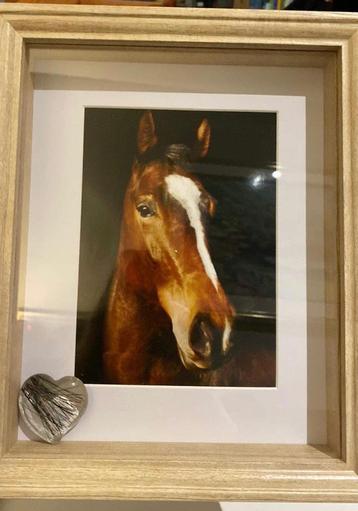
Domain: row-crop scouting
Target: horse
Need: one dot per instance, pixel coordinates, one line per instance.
(168, 319)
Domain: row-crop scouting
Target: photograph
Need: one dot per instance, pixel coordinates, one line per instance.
(177, 268)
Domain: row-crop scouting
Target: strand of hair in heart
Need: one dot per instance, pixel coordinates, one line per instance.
(57, 407)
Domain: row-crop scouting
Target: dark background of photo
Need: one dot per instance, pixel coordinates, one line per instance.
(242, 236)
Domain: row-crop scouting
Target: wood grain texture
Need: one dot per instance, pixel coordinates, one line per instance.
(175, 472)
(131, 3)
(180, 471)
(162, 55)
(11, 51)
(332, 186)
(179, 26)
(350, 124)
(20, 242)
(347, 256)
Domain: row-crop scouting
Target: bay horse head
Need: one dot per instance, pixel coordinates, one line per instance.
(164, 221)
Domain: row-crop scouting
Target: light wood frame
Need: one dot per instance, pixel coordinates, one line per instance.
(185, 471)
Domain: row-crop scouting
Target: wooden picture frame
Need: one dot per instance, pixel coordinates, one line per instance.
(129, 3)
(100, 470)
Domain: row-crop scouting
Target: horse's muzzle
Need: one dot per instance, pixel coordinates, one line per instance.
(206, 342)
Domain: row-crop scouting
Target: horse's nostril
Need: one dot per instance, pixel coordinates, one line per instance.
(205, 337)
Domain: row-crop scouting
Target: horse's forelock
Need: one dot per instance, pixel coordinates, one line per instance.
(178, 153)
(174, 153)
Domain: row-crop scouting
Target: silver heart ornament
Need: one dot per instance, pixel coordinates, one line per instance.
(51, 408)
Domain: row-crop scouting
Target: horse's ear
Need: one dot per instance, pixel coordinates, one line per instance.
(146, 133)
(202, 139)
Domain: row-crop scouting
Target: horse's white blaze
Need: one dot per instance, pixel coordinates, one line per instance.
(186, 192)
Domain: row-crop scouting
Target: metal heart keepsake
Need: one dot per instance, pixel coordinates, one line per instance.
(51, 408)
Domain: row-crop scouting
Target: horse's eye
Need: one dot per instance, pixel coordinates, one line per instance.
(145, 210)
